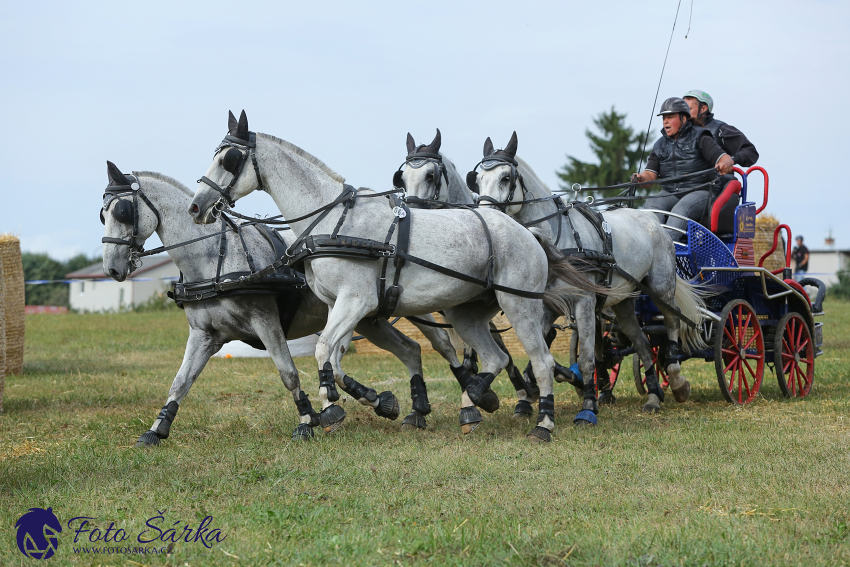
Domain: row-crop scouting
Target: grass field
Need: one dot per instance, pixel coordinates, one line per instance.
(702, 483)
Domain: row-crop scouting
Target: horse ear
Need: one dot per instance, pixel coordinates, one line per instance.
(411, 145)
(115, 175)
(231, 122)
(242, 127)
(488, 147)
(510, 149)
(434, 146)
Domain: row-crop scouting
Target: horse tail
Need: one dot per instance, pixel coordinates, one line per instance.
(689, 299)
(560, 268)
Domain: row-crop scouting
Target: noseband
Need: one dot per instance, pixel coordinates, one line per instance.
(416, 160)
(234, 162)
(488, 163)
(127, 212)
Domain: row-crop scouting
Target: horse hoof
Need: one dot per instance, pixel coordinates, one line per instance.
(387, 406)
(147, 439)
(489, 401)
(522, 410)
(540, 435)
(470, 418)
(414, 420)
(651, 408)
(331, 418)
(606, 397)
(304, 432)
(585, 417)
(682, 394)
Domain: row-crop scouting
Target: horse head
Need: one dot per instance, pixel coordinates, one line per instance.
(498, 178)
(128, 221)
(229, 177)
(423, 174)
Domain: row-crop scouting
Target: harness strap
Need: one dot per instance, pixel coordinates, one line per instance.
(490, 258)
(222, 249)
(387, 302)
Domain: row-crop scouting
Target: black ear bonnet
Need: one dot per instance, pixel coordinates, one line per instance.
(125, 185)
(421, 156)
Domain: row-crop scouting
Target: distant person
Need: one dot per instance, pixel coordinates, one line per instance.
(732, 140)
(683, 148)
(800, 254)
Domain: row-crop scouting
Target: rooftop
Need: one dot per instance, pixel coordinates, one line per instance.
(95, 271)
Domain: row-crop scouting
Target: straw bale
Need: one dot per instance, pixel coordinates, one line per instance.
(765, 225)
(2, 338)
(13, 280)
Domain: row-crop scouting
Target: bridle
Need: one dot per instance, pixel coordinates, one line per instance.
(488, 163)
(234, 162)
(127, 212)
(417, 159)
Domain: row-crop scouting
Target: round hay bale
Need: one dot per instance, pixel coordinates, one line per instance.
(13, 294)
(765, 225)
(2, 338)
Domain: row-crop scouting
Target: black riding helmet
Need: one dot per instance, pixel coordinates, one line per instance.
(675, 105)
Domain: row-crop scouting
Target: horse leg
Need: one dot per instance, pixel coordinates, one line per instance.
(472, 323)
(343, 316)
(662, 279)
(625, 313)
(526, 393)
(199, 348)
(272, 336)
(585, 316)
(527, 318)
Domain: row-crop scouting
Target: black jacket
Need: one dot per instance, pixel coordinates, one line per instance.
(692, 150)
(732, 140)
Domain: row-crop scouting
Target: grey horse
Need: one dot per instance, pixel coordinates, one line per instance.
(641, 248)
(257, 318)
(438, 272)
(431, 181)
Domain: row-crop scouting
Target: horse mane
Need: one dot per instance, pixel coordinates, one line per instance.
(290, 147)
(524, 165)
(166, 179)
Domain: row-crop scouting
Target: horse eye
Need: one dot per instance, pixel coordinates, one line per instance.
(506, 179)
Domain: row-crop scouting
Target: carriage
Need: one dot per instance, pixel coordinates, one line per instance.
(755, 317)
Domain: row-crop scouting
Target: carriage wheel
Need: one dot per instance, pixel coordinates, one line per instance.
(794, 356)
(739, 353)
(640, 379)
(613, 374)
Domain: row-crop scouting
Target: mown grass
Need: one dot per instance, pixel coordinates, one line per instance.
(703, 483)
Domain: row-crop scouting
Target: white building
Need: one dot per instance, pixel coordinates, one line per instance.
(91, 291)
(825, 264)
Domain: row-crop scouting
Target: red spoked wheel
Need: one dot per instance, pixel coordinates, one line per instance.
(739, 353)
(640, 378)
(613, 374)
(794, 356)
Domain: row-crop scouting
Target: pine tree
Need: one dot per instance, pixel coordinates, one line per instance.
(618, 150)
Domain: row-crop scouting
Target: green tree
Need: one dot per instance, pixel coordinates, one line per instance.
(618, 150)
(40, 266)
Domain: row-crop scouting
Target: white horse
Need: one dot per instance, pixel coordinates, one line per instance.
(431, 180)
(641, 248)
(257, 316)
(332, 222)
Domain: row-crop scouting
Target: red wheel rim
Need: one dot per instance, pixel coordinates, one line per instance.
(742, 351)
(797, 357)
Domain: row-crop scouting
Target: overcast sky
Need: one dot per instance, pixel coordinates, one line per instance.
(148, 86)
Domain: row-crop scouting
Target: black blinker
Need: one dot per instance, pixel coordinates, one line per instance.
(102, 219)
(398, 182)
(123, 212)
(472, 181)
(231, 161)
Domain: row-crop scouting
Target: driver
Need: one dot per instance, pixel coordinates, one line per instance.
(683, 148)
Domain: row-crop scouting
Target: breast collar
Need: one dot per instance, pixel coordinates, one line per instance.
(417, 159)
(234, 164)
